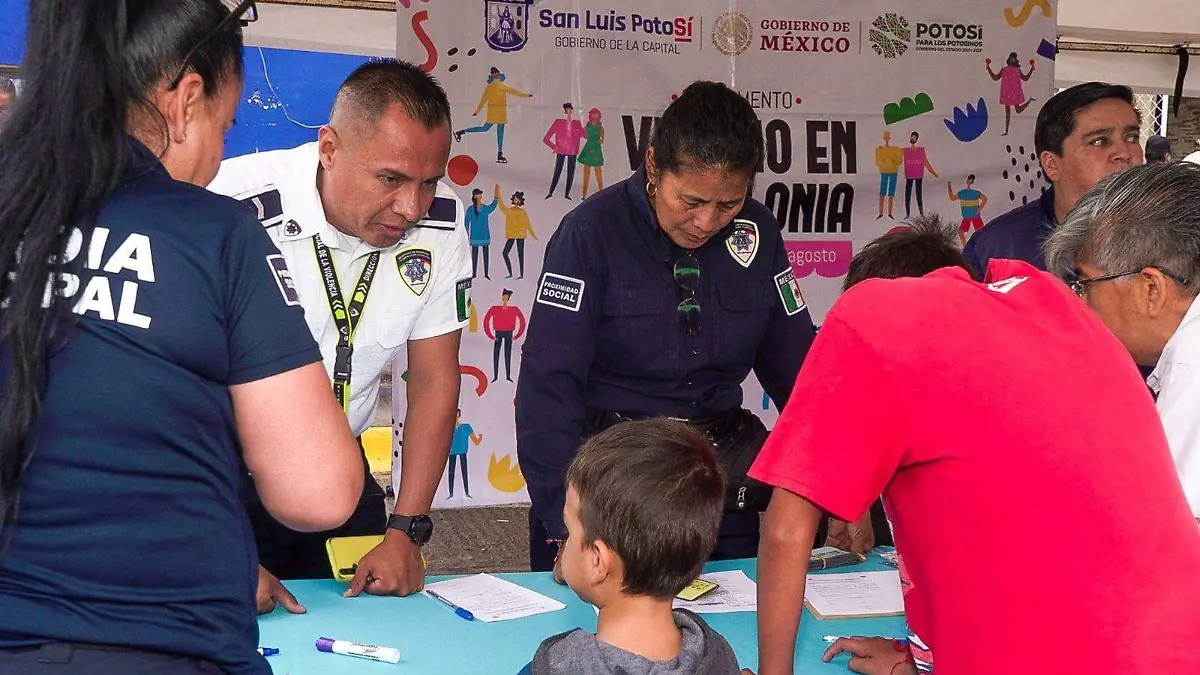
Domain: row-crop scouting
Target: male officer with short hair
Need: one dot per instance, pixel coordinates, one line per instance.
(380, 260)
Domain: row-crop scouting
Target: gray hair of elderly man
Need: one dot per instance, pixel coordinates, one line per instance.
(1147, 216)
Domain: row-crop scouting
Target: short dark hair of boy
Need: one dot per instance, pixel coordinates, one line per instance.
(651, 490)
(928, 245)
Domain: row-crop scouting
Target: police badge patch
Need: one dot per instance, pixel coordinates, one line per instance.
(561, 291)
(743, 241)
(416, 268)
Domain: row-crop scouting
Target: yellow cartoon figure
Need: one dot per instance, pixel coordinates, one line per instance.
(495, 98)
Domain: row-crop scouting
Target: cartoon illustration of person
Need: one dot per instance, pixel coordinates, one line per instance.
(566, 132)
(516, 228)
(1012, 93)
(479, 230)
(972, 202)
(888, 159)
(916, 161)
(503, 324)
(495, 97)
(592, 154)
(464, 434)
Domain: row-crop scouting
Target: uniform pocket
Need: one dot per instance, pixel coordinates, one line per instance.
(638, 326)
(745, 309)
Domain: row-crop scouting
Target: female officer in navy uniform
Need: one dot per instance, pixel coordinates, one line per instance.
(168, 347)
(658, 297)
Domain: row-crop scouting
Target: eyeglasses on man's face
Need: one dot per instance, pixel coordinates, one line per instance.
(1081, 284)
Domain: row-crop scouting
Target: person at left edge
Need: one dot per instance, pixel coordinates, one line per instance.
(368, 195)
(658, 297)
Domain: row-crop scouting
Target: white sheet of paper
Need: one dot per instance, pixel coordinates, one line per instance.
(491, 598)
(855, 594)
(735, 592)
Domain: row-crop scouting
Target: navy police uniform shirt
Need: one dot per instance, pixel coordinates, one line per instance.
(130, 531)
(1016, 235)
(605, 331)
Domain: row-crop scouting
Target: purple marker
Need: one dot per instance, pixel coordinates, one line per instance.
(362, 651)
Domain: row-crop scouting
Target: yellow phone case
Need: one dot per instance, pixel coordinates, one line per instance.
(696, 589)
(345, 552)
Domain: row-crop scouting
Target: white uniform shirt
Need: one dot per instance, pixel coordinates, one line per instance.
(281, 186)
(1176, 380)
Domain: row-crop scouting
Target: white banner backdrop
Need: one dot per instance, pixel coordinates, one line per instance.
(907, 97)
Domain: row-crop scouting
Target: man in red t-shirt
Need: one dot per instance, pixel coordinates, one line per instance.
(982, 411)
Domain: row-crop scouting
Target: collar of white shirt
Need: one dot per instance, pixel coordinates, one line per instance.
(1184, 341)
(305, 199)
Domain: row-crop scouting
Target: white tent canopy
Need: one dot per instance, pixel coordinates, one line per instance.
(336, 30)
(1099, 39)
(1128, 43)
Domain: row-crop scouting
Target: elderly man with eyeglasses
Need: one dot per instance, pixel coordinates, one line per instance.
(1131, 249)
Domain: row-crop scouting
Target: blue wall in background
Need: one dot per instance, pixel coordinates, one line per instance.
(12, 29)
(293, 91)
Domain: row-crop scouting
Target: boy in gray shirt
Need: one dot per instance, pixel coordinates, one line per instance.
(643, 504)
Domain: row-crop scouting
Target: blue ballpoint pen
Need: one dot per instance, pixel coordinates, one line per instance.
(267, 651)
(457, 610)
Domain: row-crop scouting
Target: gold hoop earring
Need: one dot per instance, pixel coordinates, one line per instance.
(651, 189)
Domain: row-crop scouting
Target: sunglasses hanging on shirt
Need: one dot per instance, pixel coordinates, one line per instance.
(687, 278)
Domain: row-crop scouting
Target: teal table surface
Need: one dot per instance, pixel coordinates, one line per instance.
(434, 641)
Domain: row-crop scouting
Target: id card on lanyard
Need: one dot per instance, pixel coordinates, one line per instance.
(345, 315)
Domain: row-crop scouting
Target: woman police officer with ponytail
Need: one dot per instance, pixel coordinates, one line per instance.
(167, 347)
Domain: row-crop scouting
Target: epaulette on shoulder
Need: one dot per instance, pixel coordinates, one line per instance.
(265, 203)
(443, 215)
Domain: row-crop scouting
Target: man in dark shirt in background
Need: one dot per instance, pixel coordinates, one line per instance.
(1158, 150)
(1083, 134)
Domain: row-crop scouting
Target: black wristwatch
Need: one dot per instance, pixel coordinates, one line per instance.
(418, 528)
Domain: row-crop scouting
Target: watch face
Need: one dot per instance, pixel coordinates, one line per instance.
(421, 529)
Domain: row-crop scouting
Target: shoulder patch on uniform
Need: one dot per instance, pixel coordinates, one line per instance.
(283, 278)
(462, 299)
(415, 265)
(265, 204)
(561, 291)
(789, 292)
(743, 241)
(443, 215)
